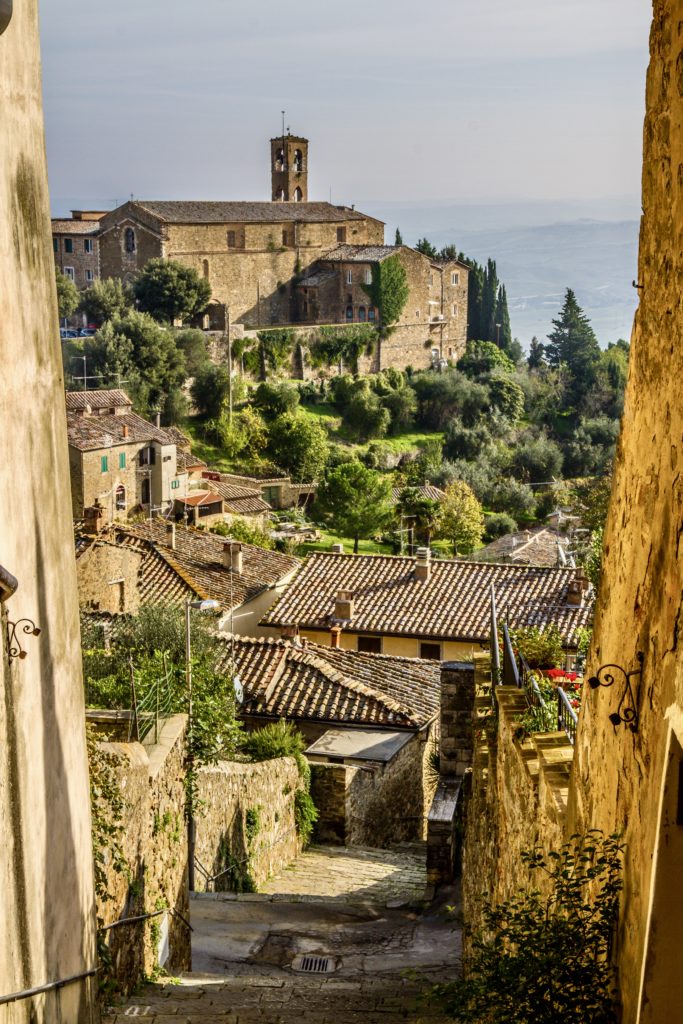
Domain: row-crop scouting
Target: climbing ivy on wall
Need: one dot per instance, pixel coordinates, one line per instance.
(388, 291)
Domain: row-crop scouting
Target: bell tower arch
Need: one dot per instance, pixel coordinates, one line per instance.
(289, 169)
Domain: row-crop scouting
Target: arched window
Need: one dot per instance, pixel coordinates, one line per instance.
(145, 491)
(280, 195)
(129, 240)
(349, 312)
(205, 268)
(298, 160)
(280, 160)
(298, 195)
(371, 313)
(120, 498)
(361, 314)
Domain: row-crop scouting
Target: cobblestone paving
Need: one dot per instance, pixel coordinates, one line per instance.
(350, 874)
(363, 909)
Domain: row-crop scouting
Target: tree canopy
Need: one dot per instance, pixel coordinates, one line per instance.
(169, 290)
(67, 295)
(300, 446)
(572, 342)
(104, 299)
(462, 519)
(353, 501)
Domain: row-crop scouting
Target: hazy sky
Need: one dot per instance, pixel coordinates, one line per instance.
(453, 99)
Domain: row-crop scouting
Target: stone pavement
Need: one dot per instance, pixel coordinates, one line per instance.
(352, 874)
(382, 957)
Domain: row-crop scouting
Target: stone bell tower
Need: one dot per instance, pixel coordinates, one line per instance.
(289, 169)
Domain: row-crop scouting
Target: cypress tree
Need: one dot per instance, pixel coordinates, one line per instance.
(536, 354)
(488, 302)
(399, 238)
(502, 317)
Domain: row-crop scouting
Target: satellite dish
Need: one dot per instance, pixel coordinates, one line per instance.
(239, 690)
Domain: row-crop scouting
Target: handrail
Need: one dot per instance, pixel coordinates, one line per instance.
(8, 584)
(495, 652)
(510, 670)
(567, 718)
(145, 917)
(26, 993)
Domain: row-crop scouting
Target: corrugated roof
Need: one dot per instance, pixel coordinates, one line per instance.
(287, 680)
(89, 433)
(454, 604)
(96, 400)
(207, 212)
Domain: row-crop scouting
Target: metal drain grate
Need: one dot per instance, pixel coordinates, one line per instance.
(308, 964)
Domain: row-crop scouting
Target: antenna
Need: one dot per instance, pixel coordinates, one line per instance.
(283, 125)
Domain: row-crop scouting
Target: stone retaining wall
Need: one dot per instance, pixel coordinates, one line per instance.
(246, 823)
(154, 841)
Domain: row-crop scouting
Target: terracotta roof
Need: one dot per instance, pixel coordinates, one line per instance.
(89, 433)
(195, 498)
(181, 440)
(454, 604)
(74, 227)
(427, 491)
(528, 547)
(197, 562)
(361, 253)
(240, 500)
(287, 680)
(316, 277)
(185, 460)
(203, 212)
(96, 400)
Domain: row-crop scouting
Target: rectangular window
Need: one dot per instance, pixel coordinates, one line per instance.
(104, 463)
(417, 314)
(285, 237)
(231, 240)
(122, 460)
(89, 275)
(147, 456)
(455, 309)
(175, 484)
(431, 280)
(349, 277)
(55, 244)
(371, 312)
(341, 234)
(455, 277)
(70, 272)
(87, 244)
(370, 644)
(68, 245)
(430, 652)
(368, 275)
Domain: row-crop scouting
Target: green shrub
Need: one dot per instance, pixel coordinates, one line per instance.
(542, 648)
(279, 739)
(498, 525)
(305, 815)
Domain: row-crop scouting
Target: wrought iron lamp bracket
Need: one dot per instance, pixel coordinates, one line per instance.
(14, 630)
(627, 708)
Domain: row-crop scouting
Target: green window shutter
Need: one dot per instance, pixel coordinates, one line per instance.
(104, 463)
(122, 460)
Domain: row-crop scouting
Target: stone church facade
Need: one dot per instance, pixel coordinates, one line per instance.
(262, 260)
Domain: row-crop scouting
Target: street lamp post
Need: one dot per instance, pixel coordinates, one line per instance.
(202, 606)
(498, 335)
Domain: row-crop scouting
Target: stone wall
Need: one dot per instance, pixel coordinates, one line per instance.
(47, 918)
(97, 568)
(375, 804)
(246, 823)
(154, 842)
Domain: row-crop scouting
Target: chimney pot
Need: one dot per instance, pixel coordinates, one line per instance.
(343, 605)
(575, 593)
(337, 549)
(232, 556)
(157, 419)
(335, 637)
(423, 564)
(125, 430)
(170, 535)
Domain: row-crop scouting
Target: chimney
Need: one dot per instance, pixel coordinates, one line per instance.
(423, 564)
(304, 641)
(157, 418)
(335, 637)
(337, 549)
(232, 556)
(125, 430)
(94, 519)
(343, 605)
(575, 592)
(170, 535)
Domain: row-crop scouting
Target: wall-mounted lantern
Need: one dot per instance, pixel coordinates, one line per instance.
(5, 14)
(627, 708)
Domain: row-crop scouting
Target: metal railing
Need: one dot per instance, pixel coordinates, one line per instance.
(146, 917)
(50, 986)
(495, 651)
(8, 583)
(510, 669)
(152, 709)
(567, 719)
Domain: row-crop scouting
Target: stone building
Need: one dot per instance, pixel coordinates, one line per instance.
(117, 460)
(292, 262)
(423, 608)
(76, 246)
(370, 722)
(47, 904)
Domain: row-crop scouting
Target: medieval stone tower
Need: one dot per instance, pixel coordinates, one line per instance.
(289, 169)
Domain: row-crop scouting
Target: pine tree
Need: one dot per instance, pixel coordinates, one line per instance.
(426, 248)
(399, 237)
(536, 354)
(573, 343)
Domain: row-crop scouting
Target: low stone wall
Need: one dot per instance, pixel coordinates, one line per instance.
(154, 842)
(518, 800)
(246, 828)
(374, 804)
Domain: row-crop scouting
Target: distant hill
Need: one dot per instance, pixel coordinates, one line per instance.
(538, 260)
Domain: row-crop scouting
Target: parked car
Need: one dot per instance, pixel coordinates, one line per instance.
(87, 332)
(65, 332)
